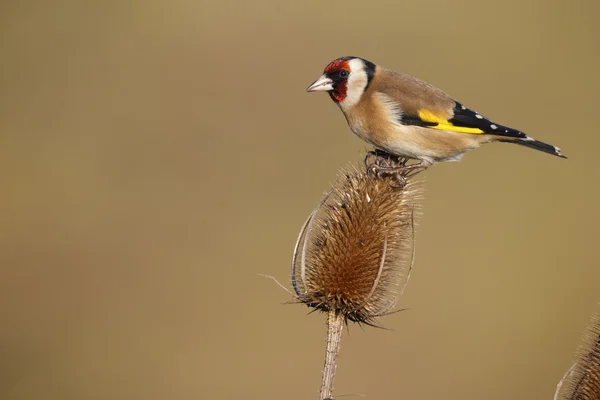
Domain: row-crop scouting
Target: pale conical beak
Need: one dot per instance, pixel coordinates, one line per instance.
(323, 84)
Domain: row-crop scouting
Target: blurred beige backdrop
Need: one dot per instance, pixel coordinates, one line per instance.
(156, 155)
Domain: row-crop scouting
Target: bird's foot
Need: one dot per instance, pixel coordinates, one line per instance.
(397, 173)
(388, 165)
(414, 169)
(383, 158)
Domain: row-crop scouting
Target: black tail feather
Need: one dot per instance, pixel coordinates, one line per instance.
(537, 145)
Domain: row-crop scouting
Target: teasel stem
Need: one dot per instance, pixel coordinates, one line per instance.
(335, 327)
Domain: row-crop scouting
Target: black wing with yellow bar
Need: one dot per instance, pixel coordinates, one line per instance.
(464, 120)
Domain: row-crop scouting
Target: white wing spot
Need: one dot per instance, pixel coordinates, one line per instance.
(478, 116)
(463, 107)
(493, 126)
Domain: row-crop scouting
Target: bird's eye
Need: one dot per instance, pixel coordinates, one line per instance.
(344, 74)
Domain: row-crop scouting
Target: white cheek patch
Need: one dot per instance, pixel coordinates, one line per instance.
(357, 82)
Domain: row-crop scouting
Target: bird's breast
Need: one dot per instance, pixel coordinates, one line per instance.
(372, 127)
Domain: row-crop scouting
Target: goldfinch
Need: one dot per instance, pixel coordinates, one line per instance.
(410, 118)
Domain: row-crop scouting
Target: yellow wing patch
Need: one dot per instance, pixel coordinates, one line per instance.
(445, 125)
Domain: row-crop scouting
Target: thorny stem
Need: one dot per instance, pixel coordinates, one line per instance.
(335, 326)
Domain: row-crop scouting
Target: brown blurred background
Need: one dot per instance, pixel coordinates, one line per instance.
(155, 156)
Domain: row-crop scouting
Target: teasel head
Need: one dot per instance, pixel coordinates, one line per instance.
(582, 380)
(354, 253)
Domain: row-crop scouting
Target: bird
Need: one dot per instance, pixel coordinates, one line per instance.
(406, 117)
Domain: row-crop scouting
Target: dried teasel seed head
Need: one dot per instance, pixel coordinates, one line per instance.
(355, 252)
(582, 380)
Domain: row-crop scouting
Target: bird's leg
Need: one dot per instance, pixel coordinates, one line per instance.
(385, 164)
(383, 160)
(397, 169)
(414, 169)
(380, 157)
(397, 172)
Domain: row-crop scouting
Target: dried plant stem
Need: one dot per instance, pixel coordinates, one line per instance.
(335, 326)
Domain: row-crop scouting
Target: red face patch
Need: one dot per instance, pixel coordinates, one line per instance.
(337, 65)
(340, 86)
(339, 91)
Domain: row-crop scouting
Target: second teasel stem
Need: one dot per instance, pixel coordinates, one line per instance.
(335, 326)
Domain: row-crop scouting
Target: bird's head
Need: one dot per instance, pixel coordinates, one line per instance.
(345, 79)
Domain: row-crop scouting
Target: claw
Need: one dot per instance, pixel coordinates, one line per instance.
(388, 165)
